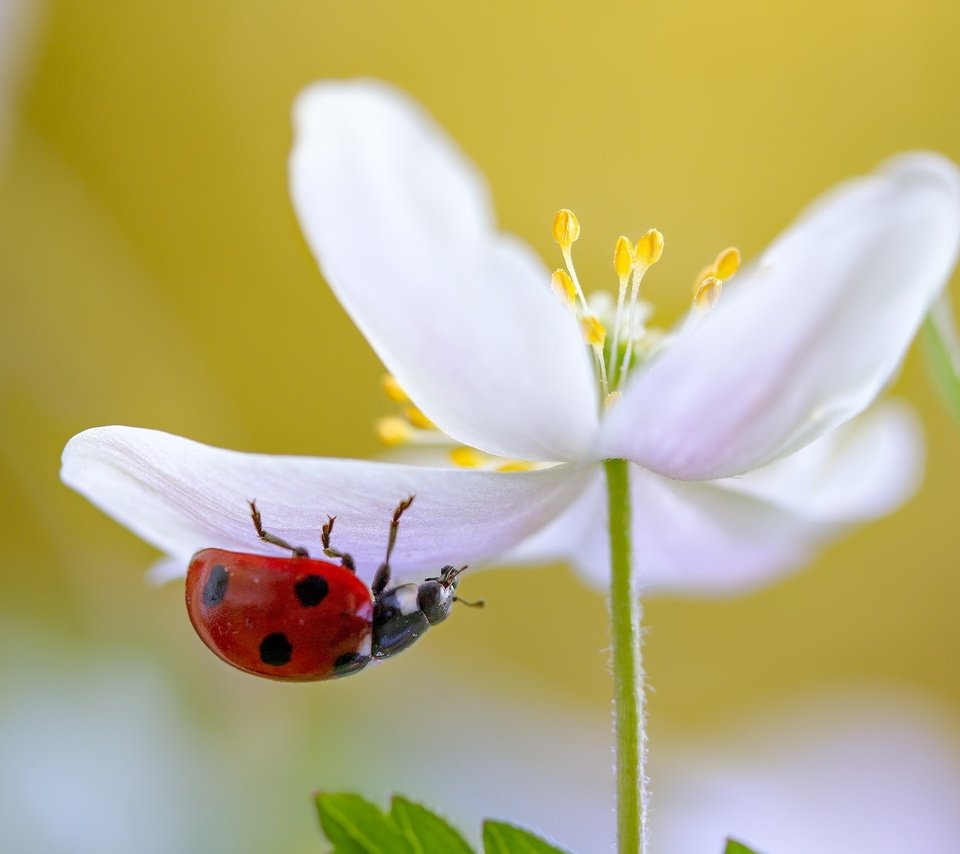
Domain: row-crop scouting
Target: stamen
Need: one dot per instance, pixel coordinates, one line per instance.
(611, 399)
(648, 250)
(707, 293)
(709, 284)
(516, 465)
(623, 263)
(563, 287)
(593, 332)
(623, 257)
(393, 431)
(418, 419)
(467, 458)
(727, 263)
(566, 231)
(566, 228)
(392, 389)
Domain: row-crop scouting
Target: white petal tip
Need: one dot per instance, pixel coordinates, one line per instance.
(165, 570)
(930, 163)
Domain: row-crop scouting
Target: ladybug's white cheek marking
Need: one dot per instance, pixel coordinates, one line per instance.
(366, 647)
(406, 598)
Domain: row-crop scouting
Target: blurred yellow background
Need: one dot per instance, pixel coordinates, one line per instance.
(153, 274)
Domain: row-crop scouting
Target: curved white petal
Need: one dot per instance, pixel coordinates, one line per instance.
(805, 339)
(461, 314)
(182, 496)
(727, 536)
(860, 471)
(165, 569)
(687, 537)
(572, 534)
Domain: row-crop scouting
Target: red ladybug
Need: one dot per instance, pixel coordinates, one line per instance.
(299, 619)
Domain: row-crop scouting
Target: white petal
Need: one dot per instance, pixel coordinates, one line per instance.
(728, 536)
(805, 339)
(860, 471)
(165, 569)
(693, 537)
(182, 496)
(461, 314)
(572, 534)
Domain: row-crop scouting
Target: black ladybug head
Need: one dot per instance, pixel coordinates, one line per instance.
(437, 595)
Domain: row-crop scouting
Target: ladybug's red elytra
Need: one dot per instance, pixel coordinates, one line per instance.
(299, 619)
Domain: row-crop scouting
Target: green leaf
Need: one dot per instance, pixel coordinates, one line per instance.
(355, 826)
(426, 831)
(500, 838)
(734, 847)
(942, 349)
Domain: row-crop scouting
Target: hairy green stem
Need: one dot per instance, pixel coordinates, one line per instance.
(629, 718)
(942, 346)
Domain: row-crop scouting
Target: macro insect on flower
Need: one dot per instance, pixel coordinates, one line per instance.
(516, 386)
(298, 619)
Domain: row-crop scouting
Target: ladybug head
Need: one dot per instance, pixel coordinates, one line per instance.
(437, 595)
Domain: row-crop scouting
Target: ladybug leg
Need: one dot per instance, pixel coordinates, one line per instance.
(298, 551)
(345, 560)
(382, 578)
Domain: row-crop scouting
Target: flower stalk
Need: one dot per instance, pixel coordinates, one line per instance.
(629, 715)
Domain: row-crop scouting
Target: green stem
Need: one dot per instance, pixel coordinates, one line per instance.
(942, 347)
(629, 719)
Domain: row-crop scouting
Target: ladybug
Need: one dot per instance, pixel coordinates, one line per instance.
(299, 619)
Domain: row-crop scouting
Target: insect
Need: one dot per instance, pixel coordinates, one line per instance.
(299, 619)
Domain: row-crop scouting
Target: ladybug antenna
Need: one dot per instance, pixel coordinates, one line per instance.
(448, 575)
(448, 578)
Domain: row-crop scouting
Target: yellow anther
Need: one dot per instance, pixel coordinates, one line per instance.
(516, 465)
(706, 271)
(593, 332)
(393, 431)
(611, 399)
(563, 286)
(727, 263)
(649, 248)
(566, 228)
(391, 388)
(418, 419)
(623, 257)
(466, 458)
(707, 292)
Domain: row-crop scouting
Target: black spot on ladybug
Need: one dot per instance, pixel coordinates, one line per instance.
(311, 590)
(350, 662)
(216, 587)
(275, 650)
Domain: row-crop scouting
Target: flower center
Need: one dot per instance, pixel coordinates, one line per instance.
(632, 342)
(614, 355)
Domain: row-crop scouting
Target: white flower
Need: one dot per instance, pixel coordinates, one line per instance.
(730, 422)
